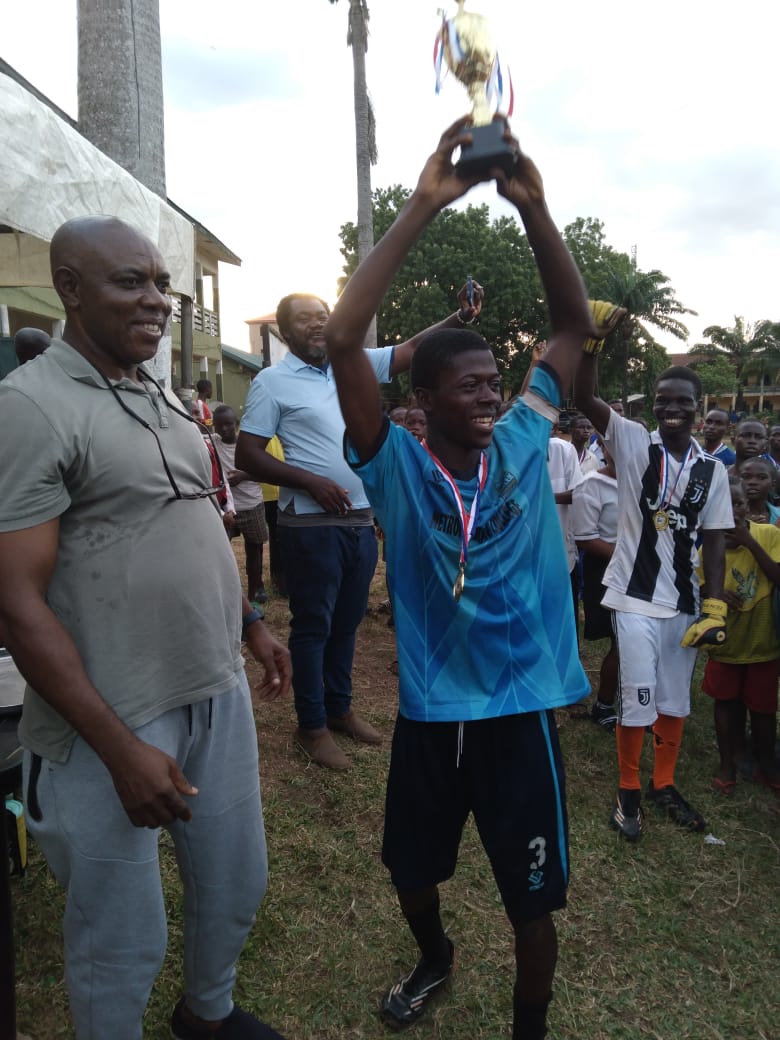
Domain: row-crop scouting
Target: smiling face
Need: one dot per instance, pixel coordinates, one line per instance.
(674, 409)
(304, 330)
(462, 410)
(113, 284)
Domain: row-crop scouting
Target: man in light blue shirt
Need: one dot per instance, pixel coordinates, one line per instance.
(325, 522)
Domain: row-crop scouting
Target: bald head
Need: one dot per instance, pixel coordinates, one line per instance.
(114, 287)
(29, 343)
(85, 239)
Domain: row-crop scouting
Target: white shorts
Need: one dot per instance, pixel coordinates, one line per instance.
(655, 672)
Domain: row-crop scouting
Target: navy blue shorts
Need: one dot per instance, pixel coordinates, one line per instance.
(509, 773)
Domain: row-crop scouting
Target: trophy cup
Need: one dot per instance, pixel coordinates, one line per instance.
(464, 44)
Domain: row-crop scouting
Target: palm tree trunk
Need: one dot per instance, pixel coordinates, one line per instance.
(365, 217)
(120, 85)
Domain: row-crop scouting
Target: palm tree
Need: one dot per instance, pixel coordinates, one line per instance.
(120, 85)
(747, 346)
(649, 299)
(365, 133)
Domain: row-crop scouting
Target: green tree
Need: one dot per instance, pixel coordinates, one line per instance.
(717, 376)
(748, 347)
(587, 244)
(649, 300)
(497, 254)
(365, 131)
(458, 243)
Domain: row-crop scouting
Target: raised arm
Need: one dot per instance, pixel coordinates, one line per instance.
(585, 397)
(466, 313)
(570, 319)
(345, 331)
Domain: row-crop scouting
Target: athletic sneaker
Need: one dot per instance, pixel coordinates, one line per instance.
(408, 998)
(603, 715)
(239, 1025)
(627, 815)
(671, 803)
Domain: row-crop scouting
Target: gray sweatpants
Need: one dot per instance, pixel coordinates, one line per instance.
(115, 926)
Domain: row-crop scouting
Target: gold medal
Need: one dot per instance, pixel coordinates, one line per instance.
(460, 582)
(661, 520)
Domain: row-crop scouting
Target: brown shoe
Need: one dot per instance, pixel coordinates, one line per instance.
(355, 727)
(321, 748)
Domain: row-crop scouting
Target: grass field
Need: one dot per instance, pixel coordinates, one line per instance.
(671, 939)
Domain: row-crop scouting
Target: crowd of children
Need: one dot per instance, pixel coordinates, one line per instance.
(741, 672)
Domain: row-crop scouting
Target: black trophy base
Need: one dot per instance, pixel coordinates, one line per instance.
(487, 151)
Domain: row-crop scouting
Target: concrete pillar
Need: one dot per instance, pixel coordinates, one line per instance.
(186, 342)
(219, 387)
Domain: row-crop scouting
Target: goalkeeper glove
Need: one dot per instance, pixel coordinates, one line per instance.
(710, 627)
(606, 317)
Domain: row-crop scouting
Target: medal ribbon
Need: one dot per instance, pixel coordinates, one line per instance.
(467, 520)
(665, 475)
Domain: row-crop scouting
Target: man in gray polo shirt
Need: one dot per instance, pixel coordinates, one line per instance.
(325, 523)
(137, 714)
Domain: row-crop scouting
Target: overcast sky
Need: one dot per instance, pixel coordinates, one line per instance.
(656, 118)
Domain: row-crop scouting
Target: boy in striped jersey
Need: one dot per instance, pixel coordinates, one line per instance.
(669, 489)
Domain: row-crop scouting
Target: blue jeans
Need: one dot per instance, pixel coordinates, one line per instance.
(328, 571)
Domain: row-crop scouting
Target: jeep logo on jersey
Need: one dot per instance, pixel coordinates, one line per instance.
(643, 693)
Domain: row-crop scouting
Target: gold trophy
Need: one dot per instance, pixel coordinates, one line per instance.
(464, 44)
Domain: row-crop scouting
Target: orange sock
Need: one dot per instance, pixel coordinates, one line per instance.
(667, 736)
(629, 748)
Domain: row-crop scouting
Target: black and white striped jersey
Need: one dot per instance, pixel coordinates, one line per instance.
(662, 503)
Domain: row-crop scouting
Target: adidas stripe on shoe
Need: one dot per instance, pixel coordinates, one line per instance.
(626, 817)
(408, 998)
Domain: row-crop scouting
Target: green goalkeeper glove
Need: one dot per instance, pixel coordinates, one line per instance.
(710, 627)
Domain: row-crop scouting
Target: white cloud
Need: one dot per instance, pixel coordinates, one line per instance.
(656, 119)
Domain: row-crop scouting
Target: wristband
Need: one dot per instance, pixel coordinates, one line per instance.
(249, 619)
(716, 608)
(463, 321)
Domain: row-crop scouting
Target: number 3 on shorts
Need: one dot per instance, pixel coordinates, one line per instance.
(538, 845)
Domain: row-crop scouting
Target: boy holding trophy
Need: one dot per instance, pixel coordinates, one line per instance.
(487, 644)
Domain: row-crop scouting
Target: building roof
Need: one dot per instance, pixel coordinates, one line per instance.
(240, 357)
(208, 238)
(218, 247)
(268, 319)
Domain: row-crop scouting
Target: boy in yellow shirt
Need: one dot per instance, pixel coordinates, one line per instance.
(741, 674)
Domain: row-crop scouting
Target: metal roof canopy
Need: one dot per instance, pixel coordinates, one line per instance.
(49, 173)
